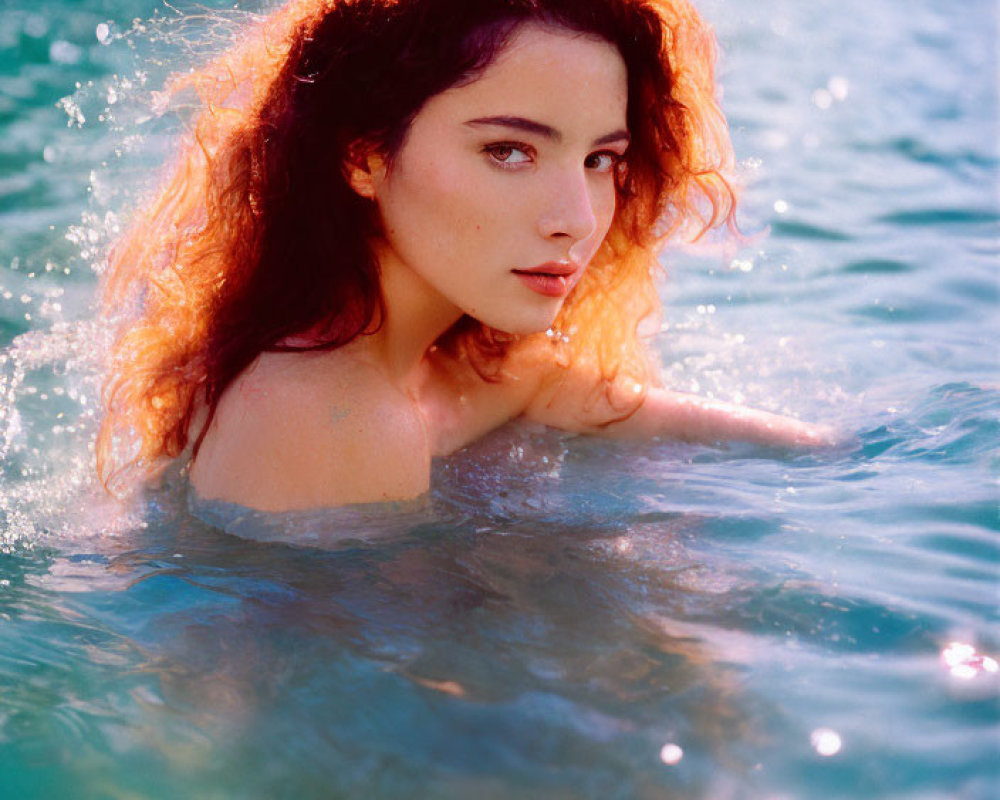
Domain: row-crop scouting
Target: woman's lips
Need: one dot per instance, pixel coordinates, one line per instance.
(552, 279)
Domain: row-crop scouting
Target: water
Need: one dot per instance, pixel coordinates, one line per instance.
(561, 609)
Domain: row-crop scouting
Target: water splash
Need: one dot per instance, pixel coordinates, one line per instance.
(48, 417)
(120, 128)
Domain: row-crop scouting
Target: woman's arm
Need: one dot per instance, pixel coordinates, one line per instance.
(687, 417)
(576, 401)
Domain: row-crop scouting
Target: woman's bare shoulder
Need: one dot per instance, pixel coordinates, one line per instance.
(307, 430)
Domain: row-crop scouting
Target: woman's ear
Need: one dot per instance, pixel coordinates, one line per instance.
(364, 169)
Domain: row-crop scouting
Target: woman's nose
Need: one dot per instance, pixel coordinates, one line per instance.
(568, 212)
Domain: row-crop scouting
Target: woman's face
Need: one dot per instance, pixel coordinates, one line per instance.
(505, 187)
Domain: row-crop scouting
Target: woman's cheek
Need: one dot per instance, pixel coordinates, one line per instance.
(421, 206)
(609, 203)
(453, 202)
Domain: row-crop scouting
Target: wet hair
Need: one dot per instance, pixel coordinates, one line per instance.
(255, 241)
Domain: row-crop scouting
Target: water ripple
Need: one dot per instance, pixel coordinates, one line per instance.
(924, 217)
(793, 229)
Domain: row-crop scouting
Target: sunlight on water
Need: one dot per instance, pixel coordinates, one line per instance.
(671, 754)
(826, 742)
(964, 662)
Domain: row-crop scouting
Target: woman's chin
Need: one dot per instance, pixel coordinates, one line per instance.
(522, 325)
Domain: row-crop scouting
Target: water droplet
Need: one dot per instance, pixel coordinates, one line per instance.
(103, 33)
(826, 742)
(671, 754)
(73, 111)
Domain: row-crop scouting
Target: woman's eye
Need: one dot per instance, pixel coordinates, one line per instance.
(505, 155)
(602, 162)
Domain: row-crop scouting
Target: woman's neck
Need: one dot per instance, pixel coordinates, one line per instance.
(416, 315)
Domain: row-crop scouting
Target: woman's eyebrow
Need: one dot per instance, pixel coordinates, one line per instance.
(541, 129)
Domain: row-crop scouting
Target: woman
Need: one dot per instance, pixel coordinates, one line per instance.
(398, 225)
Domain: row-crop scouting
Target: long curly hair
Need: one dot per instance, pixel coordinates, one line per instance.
(255, 238)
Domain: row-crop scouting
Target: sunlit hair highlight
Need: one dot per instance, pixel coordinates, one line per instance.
(231, 256)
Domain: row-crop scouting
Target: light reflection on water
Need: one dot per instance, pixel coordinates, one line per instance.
(564, 617)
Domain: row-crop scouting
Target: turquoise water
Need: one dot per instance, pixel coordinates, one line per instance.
(561, 609)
